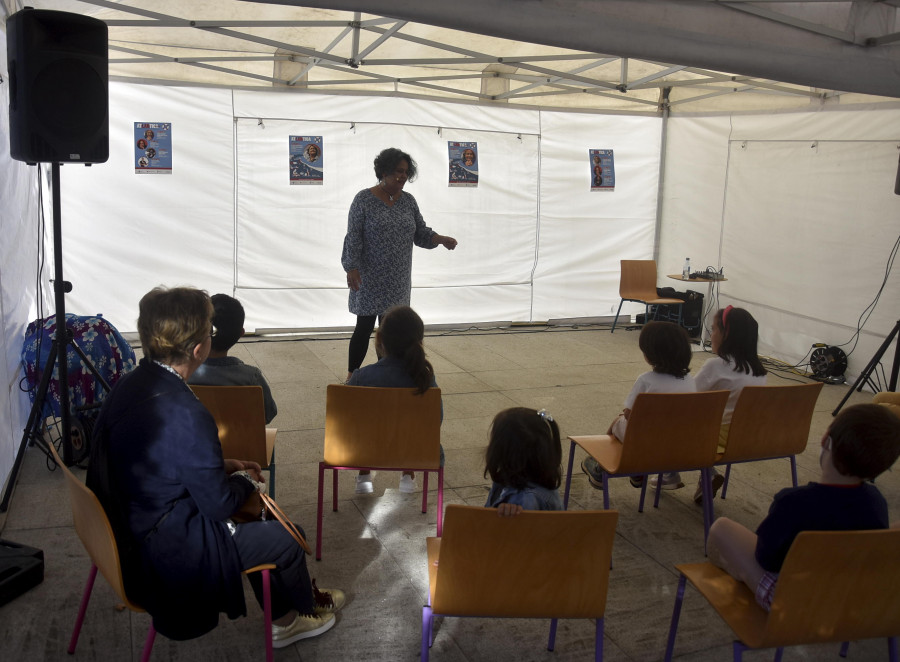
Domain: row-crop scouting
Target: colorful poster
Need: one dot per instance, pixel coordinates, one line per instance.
(463, 163)
(603, 169)
(306, 160)
(152, 148)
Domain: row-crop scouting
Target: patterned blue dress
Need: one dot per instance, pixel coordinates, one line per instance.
(379, 243)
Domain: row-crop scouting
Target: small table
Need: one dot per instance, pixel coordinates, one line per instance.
(710, 282)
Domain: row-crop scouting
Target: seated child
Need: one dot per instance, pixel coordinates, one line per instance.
(523, 459)
(862, 442)
(219, 369)
(736, 365)
(667, 349)
(399, 341)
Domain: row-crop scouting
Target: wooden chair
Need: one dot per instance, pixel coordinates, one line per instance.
(637, 282)
(240, 415)
(538, 564)
(666, 432)
(96, 534)
(769, 422)
(834, 586)
(388, 429)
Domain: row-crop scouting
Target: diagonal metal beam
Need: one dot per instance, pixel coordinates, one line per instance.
(293, 48)
(378, 42)
(659, 74)
(577, 70)
(154, 57)
(315, 61)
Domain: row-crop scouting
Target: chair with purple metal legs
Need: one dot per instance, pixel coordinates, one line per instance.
(666, 432)
(834, 586)
(537, 564)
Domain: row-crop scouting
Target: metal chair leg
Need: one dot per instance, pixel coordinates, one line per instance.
(676, 614)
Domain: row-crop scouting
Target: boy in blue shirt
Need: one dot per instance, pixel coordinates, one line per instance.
(861, 443)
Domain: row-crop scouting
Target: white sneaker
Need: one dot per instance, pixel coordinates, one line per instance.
(364, 483)
(407, 484)
(670, 481)
(303, 627)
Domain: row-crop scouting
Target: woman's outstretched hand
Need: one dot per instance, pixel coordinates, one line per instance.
(447, 242)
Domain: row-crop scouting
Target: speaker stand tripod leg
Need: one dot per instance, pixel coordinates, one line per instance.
(865, 375)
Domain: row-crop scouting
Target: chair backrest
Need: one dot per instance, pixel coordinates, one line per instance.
(93, 528)
(540, 564)
(638, 280)
(837, 586)
(672, 431)
(240, 415)
(771, 421)
(368, 426)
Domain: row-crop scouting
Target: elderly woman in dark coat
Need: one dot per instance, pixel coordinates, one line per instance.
(383, 224)
(157, 468)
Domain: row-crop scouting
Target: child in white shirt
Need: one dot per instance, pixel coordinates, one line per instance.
(667, 349)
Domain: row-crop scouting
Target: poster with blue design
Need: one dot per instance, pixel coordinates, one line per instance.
(306, 165)
(603, 169)
(153, 148)
(463, 163)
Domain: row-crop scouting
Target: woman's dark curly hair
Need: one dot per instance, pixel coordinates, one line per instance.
(667, 348)
(388, 159)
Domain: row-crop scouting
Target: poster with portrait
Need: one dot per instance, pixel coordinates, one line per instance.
(305, 153)
(603, 169)
(463, 163)
(153, 148)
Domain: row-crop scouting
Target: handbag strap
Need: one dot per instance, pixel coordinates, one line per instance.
(273, 508)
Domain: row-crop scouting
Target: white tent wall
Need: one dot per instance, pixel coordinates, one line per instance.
(227, 218)
(19, 282)
(585, 233)
(799, 209)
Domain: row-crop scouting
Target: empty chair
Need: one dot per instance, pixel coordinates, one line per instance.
(241, 418)
(96, 534)
(388, 429)
(769, 422)
(666, 432)
(538, 564)
(834, 586)
(637, 282)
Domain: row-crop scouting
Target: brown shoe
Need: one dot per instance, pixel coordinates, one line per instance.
(717, 481)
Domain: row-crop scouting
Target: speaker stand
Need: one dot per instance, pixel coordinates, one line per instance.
(865, 375)
(59, 354)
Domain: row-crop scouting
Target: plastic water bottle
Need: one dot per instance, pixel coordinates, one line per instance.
(686, 272)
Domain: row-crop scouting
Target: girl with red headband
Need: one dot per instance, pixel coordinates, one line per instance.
(736, 365)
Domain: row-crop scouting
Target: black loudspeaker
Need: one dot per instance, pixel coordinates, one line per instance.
(59, 87)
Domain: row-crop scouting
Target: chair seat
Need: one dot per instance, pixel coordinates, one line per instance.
(604, 448)
(732, 600)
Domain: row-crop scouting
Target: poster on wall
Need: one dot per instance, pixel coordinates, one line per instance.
(306, 160)
(603, 169)
(152, 148)
(463, 163)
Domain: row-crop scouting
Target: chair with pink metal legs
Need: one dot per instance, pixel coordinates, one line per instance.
(388, 429)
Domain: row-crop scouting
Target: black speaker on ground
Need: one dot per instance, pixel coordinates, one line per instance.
(59, 87)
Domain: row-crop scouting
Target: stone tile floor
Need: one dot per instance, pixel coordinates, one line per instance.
(375, 545)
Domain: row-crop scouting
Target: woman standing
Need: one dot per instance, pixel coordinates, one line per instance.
(383, 224)
(157, 468)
